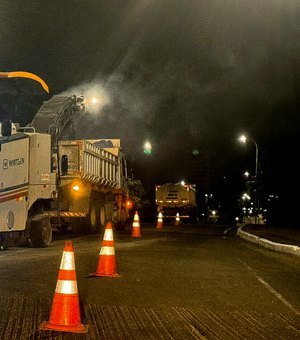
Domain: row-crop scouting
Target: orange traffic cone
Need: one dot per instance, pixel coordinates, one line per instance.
(65, 312)
(107, 262)
(136, 230)
(159, 223)
(177, 219)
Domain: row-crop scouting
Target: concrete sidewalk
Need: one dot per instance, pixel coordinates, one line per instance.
(286, 240)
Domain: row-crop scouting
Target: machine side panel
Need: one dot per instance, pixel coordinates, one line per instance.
(14, 182)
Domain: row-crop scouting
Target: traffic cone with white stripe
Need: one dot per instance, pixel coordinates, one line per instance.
(177, 219)
(136, 230)
(159, 223)
(107, 262)
(65, 312)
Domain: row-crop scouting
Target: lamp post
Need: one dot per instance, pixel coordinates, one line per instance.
(243, 139)
(147, 150)
(245, 198)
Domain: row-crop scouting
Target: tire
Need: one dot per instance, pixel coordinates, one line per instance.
(102, 217)
(40, 232)
(93, 224)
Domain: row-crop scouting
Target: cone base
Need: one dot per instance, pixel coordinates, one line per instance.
(104, 275)
(47, 326)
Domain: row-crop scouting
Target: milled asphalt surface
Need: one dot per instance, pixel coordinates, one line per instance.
(108, 318)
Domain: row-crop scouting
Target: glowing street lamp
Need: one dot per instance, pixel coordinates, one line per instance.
(246, 197)
(147, 148)
(91, 101)
(243, 139)
(246, 174)
(94, 100)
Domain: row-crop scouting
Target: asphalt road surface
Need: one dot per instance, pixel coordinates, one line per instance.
(182, 282)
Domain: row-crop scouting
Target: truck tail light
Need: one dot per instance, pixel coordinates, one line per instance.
(129, 204)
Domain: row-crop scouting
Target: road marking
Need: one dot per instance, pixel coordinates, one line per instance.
(279, 296)
(272, 290)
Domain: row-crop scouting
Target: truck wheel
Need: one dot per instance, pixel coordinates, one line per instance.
(93, 227)
(41, 232)
(102, 217)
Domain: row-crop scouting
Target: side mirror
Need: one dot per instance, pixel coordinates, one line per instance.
(64, 165)
(6, 128)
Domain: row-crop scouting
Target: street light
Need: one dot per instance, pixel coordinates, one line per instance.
(246, 174)
(147, 150)
(243, 139)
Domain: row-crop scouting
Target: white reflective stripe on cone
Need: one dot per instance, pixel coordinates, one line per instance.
(108, 235)
(66, 287)
(135, 224)
(67, 261)
(106, 250)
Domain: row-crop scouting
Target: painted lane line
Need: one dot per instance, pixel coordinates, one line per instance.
(272, 290)
(279, 296)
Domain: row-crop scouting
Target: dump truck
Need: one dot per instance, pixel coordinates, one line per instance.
(48, 181)
(176, 198)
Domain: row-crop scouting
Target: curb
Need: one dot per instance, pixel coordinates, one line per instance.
(280, 247)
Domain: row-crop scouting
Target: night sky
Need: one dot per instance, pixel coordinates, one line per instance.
(186, 75)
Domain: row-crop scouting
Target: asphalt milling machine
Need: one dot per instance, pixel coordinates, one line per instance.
(49, 180)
